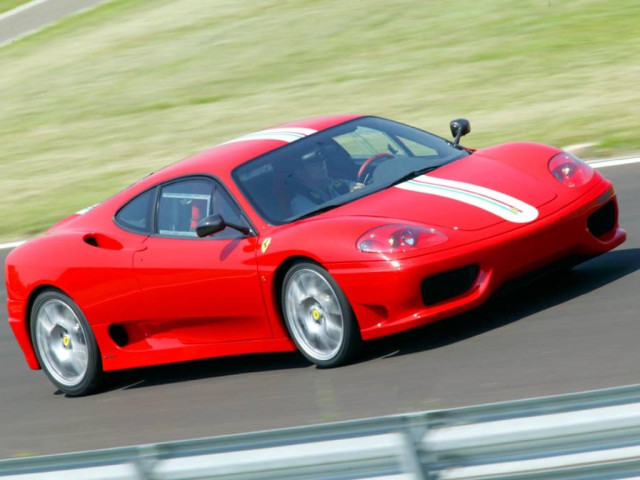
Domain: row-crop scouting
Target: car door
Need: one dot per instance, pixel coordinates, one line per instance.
(199, 290)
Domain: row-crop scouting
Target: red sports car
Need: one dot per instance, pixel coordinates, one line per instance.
(313, 235)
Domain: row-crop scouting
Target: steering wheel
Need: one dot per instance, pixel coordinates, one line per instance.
(369, 161)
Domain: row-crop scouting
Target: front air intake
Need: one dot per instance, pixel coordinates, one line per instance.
(603, 220)
(443, 286)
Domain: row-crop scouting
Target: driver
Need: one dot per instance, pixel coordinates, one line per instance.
(313, 186)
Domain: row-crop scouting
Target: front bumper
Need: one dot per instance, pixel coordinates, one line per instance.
(389, 297)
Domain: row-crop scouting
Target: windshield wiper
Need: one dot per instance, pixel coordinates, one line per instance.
(317, 211)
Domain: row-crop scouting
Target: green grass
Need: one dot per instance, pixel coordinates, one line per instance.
(100, 99)
(6, 5)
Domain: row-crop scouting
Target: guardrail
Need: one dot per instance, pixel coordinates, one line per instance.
(591, 435)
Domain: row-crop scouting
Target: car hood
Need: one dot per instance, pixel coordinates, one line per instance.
(473, 193)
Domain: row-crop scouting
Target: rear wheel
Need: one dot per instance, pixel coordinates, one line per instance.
(318, 316)
(64, 344)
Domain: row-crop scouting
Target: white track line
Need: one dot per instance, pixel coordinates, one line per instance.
(579, 146)
(613, 162)
(64, 5)
(594, 163)
(11, 245)
(21, 8)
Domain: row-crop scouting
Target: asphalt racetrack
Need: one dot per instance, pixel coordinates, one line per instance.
(37, 15)
(566, 333)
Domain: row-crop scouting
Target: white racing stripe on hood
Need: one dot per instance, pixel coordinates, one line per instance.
(497, 203)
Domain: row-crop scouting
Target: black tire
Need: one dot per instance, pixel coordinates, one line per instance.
(318, 316)
(64, 344)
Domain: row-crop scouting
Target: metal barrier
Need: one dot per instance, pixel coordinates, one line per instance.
(591, 435)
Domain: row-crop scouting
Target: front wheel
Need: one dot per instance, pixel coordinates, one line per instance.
(64, 344)
(318, 316)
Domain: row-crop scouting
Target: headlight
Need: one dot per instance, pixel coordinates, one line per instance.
(570, 170)
(399, 238)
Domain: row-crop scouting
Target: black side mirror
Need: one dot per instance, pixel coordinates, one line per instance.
(210, 225)
(215, 223)
(459, 128)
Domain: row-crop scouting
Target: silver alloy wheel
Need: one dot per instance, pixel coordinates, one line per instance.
(61, 342)
(315, 317)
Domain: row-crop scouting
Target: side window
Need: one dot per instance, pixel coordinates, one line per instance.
(225, 206)
(136, 215)
(182, 205)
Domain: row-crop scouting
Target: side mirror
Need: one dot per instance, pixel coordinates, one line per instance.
(459, 128)
(215, 223)
(210, 225)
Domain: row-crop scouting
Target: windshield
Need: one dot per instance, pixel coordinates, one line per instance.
(339, 165)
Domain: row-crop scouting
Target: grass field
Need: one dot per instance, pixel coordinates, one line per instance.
(102, 98)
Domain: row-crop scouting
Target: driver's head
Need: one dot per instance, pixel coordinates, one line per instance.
(312, 166)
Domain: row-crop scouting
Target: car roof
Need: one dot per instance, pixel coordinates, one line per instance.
(223, 158)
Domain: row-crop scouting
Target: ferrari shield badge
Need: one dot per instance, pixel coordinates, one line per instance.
(265, 244)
